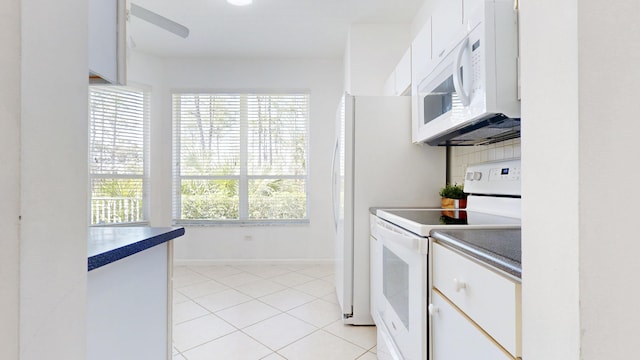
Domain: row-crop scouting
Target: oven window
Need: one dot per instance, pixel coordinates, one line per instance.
(395, 284)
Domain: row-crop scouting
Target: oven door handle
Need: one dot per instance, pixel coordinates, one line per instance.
(392, 233)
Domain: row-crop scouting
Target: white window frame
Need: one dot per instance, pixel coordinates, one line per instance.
(144, 177)
(243, 177)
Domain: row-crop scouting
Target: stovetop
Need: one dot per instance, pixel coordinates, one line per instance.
(422, 221)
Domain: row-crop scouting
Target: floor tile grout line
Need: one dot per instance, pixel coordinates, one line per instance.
(313, 298)
(225, 308)
(340, 337)
(195, 318)
(209, 341)
(282, 347)
(345, 339)
(269, 278)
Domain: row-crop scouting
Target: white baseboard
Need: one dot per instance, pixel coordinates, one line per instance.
(209, 262)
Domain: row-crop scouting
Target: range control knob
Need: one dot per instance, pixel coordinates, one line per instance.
(469, 175)
(477, 175)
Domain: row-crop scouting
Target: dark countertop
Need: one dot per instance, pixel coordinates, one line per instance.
(500, 248)
(108, 244)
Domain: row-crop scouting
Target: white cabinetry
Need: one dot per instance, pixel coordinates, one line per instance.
(489, 302)
(128, 307)
(375, 269)
(447, 22)
(421, 63)
(455, 337)
(107, 41)
(399, 82)
(421, 54)
(468, 8)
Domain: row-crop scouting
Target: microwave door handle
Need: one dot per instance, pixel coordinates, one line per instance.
(457, 81)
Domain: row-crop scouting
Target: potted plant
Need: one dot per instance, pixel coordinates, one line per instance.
(453, 197)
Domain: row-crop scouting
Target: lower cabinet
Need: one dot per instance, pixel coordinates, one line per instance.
(455, 337)
(128, 308)
(476, 311)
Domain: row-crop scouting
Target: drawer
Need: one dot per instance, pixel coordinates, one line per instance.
(455, 337)
(487, 297)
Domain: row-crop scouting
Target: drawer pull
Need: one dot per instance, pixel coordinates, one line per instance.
(459, 285)
(432, 309)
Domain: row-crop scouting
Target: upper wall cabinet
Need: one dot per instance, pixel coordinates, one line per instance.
(107, 41)
(469, 7)
(421, 54)
(447, 25)
(399, 82)
(421, 64)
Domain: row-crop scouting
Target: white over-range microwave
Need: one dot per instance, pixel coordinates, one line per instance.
(470, 97)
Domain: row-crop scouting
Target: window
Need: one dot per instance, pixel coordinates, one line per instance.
(240, 158)
(118, 122)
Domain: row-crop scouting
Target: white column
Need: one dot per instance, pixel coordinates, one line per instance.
(580, 129)
(551, 183)
(54, 206)
(10, 179)
(609, 55)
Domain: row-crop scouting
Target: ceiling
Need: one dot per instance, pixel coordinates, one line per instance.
(265, 29)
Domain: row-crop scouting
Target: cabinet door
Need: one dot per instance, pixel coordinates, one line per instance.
(421, 63)
(107, 41)
(421, 53)
(469, 7)
(447, 26)
(456, 338)
(403, 74)
(488, 298)
(390, 85)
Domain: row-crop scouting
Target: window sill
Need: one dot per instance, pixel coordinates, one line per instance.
(139, 223)
(240, 223)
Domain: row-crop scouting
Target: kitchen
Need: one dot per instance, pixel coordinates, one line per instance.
(575, 302)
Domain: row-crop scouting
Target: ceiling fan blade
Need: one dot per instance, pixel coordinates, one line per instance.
(159, 20)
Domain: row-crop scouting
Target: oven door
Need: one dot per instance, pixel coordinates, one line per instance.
(402, 296)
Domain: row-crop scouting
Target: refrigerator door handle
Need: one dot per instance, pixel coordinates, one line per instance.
(334, 179)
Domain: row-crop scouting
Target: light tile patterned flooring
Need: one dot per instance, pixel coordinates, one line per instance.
(269, 312)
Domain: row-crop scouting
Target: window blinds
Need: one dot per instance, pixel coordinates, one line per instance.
(118, 118)
(240, 156)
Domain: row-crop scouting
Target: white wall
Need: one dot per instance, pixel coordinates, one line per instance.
(372, 52)
(608, 50)
(53, 185)
(323, 78)
(10, 179)
(551, 204)
(147, 72)
(580, 123)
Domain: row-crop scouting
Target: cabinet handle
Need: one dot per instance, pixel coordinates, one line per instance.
(459, 285)
(432, 309)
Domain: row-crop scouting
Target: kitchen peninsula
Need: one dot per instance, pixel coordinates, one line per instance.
(128, 292)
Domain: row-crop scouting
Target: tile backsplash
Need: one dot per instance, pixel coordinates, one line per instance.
(461, 156)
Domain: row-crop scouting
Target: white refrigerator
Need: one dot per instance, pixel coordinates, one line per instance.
(375, 164)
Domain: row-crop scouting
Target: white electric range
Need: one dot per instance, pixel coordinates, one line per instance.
(400, 289)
